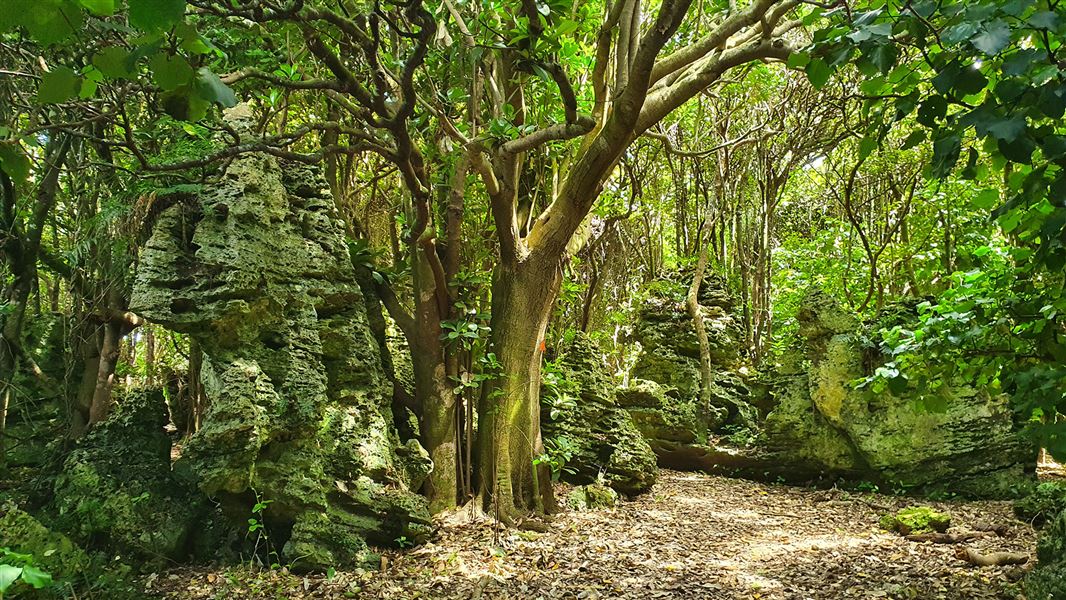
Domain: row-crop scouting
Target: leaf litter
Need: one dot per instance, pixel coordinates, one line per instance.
(693, 536)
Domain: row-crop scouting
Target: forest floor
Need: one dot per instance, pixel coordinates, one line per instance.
(694, 536)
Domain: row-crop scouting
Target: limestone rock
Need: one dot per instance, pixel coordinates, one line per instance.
(116, 486)
(257, 270)
(664, 394)
(968, 443)
(578, 405)
(52, 552)
(592, 497)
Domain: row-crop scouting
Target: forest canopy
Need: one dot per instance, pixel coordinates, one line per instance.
(504, 181)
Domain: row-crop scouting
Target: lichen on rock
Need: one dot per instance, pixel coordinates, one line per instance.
(578, 405)
(116, 488)
(51, 552)
(257, 270)
(593, 496)
(916, 519)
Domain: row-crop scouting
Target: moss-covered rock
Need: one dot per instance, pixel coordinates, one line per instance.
(916, 519)
(1048, 579)
(116, 489)
(592, 497)
(52, 552)
(581, 418)
(256, 269)
(965, 442)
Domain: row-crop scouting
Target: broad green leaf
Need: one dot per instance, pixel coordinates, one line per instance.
(103, 8)
(1007, 129)
(986, 199)
(170, 72)
(8, 575)
(912, 140)
(1045, 19)
(58, 85)
(798, 60)
(932, 110)
(14, 161)
(36, 577)
(113, 62)
(212, 89)
(818, 73)
(156, 15)
(992, 38)
(884, 56)
(946, 149)
(47, 21)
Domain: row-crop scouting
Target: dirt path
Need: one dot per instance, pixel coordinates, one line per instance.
(694, 536)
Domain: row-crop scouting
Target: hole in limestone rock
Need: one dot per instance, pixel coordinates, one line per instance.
(181, 305)
(273, 340)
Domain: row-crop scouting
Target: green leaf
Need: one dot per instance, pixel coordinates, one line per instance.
(884, 56)
(58, 85)
(102, 8)
(47, 21)
(170, 72)
(986, 199)
(946, 149)
(8, 575)
(211, 88)
(866, 146)
(1019, 150)
(113, 62)
(14, 161)
(1045, 19)
(818, 73)
(912, 140)
(931, 110)
(1007, 129)
(992, 38)
(156, 15)
(36, 577)
(798, 60)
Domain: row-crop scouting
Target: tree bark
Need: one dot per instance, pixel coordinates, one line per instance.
(512, 482)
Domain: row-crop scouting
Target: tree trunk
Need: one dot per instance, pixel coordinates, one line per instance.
(512, 482)
(105, 375)
(692, 303)
(433, 390)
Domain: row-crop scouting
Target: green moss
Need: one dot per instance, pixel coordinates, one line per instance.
(116, 488)
(51, 551)
(592, 497)
(916, 519)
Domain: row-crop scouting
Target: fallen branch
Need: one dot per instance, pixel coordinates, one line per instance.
(1000, 529)
(994, 559)
(948, 538)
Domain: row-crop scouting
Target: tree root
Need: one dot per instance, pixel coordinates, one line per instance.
(994, 559)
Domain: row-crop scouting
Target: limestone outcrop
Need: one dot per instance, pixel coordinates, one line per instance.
(581, 419)
(812, 420)
(116, 489)
(965, 442)
(256, 269)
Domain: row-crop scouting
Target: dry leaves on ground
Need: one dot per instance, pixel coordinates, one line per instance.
(694, 536)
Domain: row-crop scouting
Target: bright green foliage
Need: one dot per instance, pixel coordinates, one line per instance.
(987, 90)
(916, 519)
(1042, 504)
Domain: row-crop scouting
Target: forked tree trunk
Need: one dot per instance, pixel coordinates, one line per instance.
(512, 483)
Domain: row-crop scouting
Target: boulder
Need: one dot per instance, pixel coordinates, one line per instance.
(51, 552)
(593, 496)
(965, 442)
(580, 418)
(117, 491)
(256, 269)
(663, 395)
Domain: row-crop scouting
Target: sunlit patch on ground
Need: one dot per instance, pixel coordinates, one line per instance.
(692, 537)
